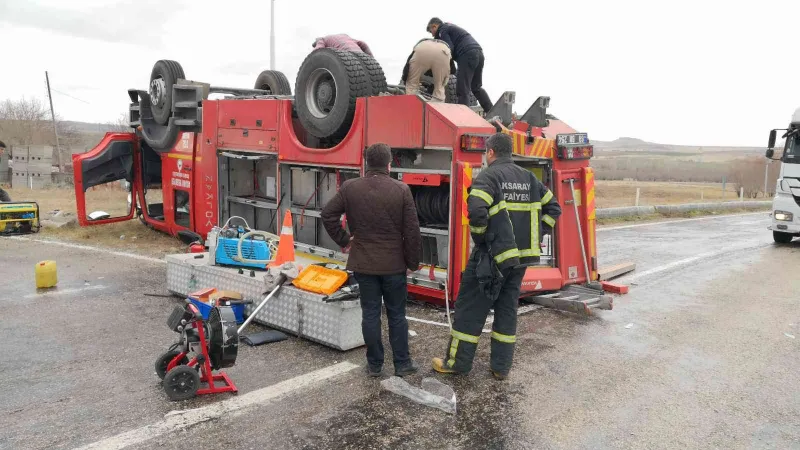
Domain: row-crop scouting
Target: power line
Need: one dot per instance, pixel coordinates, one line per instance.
(70, 96)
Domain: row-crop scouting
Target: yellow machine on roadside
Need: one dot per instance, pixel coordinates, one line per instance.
(19, 218)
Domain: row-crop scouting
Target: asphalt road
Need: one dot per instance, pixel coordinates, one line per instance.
(702, 353)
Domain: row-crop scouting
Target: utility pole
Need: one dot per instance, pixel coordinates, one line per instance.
(272, 35)
(55, 127)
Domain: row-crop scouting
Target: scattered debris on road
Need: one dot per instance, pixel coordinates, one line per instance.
(433, 393)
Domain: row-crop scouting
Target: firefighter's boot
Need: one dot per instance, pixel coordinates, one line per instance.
(499, 376)
(440, 366)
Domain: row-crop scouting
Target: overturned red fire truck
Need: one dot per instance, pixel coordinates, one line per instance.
(193, 162)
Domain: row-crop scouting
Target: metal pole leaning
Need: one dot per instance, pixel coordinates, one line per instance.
(252, 316)
(580, 230)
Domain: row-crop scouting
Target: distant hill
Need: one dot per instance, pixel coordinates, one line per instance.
(89, 128)
(634, 145)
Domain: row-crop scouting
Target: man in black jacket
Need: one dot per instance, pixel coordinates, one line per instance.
(508, 210)
(469, 57)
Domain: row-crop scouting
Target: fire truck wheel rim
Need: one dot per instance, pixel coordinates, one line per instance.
(157, 88)
(321, 93)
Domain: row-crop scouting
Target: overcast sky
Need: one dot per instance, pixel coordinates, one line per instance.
(699, 72)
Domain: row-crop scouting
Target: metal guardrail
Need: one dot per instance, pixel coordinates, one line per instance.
(634, 211)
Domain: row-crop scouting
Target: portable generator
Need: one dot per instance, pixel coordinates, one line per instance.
(19, 218)
(204, 345)
(226, 243)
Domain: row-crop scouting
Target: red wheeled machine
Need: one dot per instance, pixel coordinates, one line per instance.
(204, 346)
(258, 153)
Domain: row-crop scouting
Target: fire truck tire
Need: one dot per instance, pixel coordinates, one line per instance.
(374, 72)
(164, 75)
(4, 197)
(273, 81)
(161, 137)
(328, 83)
(452, 97)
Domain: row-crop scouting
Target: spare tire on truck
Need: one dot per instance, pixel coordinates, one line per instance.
(450, 93)
(328, 83)
(273, 81)
(4, 197)
(374, 72)
(164, 75)
(153, 109)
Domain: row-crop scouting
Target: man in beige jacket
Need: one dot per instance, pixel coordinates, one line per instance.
(429, 55)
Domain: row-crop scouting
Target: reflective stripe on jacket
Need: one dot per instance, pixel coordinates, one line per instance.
(508, 209)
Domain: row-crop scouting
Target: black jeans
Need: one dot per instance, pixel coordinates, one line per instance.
(393, 290)
(470, 79)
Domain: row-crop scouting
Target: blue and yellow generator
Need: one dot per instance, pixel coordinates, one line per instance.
(19, 218)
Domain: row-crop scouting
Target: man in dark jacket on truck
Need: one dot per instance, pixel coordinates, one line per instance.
(385, 241)
(508, 210)
(469, 57)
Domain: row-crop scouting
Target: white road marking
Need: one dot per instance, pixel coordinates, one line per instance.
(665, 222)
(687, 261)
(232, 407)
(90, 248)
(65, 291)
(522, 310)
(429, 322)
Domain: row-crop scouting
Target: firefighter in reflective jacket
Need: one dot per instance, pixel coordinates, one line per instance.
(509, 209)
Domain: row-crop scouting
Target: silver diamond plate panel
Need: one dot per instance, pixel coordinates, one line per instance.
(293, 310)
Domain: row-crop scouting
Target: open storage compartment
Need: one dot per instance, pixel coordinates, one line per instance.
(428, 175)
(305, 190)
(543, 169)
(248, 187)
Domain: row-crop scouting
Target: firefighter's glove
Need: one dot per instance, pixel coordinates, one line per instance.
(489, 277)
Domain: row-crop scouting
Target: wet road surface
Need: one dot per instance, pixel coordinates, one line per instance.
(702, 353)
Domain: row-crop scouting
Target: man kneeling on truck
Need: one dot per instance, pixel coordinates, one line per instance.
(342, 42)
(429, 55)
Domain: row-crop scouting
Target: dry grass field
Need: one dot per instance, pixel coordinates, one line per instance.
(130, 235)
(611, 194)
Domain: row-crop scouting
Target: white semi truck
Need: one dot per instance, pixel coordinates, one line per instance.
(786, 205)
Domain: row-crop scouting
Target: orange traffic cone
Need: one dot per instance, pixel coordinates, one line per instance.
(285, 243)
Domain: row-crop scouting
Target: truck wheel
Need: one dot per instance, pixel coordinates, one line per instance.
(328, 83)
(161, 138)
(782, 238)
(374, 72)
(273, 81)
(451, 95)
(164, 75)
(4, 197)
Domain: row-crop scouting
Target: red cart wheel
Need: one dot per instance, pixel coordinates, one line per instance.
(163, 361)
(181, 383)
